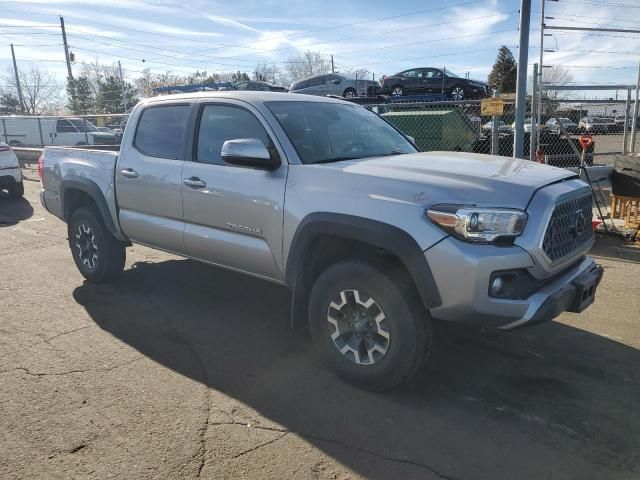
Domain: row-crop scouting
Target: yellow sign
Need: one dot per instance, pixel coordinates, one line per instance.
(100, 121)
(491, 106)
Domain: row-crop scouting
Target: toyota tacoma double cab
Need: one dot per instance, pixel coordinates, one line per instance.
(376, 241)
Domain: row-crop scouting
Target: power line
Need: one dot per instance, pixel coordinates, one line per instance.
(456, 21)
(362, 22)
(602, 4)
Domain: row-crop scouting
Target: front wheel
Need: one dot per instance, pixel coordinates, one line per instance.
(370, 330)
(349, 93)
(99, 256)
(397, 91)
(457, 93)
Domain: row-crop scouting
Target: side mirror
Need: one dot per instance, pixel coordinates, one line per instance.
(411, 139)
(248, 152)
(337, 81)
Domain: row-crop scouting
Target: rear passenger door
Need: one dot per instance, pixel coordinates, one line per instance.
(149, 177)
(233, 215)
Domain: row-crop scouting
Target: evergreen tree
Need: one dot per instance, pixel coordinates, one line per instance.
(81, 97)
(503, 75)
(9, 103)
(110, 95)
(240, 77)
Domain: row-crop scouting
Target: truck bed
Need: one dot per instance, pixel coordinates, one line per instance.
(65, 166)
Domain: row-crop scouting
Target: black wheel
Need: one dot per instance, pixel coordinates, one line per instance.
(349, 93)
(99, 256)
(397, 91)
(367, 326)
(16, 190)
(15, 143)
(457, 93)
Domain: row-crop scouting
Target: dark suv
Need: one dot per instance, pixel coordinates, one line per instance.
(429, 81)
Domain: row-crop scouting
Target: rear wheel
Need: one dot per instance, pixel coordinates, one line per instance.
(99, 256)
(366, 327)
(16, 190)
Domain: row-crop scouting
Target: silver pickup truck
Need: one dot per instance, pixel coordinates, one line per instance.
(375, 240)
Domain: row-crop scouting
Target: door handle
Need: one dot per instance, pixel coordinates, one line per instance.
(195, 182)
(129, 173)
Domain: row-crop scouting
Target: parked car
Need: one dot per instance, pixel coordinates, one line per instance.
(596, 125)
(256, 86)
(425, 81)
(10, 172)
(527, 125)
(569, 125)
(332, 84)
(502, 127)
(26, 131)
(376, 241)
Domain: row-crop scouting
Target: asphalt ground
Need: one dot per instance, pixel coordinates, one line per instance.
(185, 371)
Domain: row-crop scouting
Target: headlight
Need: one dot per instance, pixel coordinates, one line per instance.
(479, 225)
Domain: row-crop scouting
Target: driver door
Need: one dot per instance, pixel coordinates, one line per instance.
(233, 215)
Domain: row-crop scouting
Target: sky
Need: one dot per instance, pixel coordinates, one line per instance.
(383, 37)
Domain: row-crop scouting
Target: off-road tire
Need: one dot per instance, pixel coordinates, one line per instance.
(410, 329)
(86, 226)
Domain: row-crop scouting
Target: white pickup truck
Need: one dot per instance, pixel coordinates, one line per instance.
(375, 240)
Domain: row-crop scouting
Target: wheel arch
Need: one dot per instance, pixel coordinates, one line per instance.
(369, 234)
(76, 191)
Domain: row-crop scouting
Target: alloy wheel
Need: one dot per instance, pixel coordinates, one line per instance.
(397, 91)
(358, 327)
(86, 245)
(457, 93)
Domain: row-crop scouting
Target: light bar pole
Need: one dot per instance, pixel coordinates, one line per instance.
(521, 85)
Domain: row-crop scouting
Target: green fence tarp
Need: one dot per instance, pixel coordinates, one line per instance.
(443, 129)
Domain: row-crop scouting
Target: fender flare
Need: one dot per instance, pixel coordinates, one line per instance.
(379, 234)
(74, 182)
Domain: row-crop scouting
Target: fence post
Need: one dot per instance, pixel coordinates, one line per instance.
(40, 130)
(86, 135)
(4, 129)
(494, 128)
(634, 120)
(534, 115)
(627, 111)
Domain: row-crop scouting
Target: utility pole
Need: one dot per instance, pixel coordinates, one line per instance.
(18, 87)
(124, 97)
(521, 85)
(66, 50)
(333, 69)
(534, 114)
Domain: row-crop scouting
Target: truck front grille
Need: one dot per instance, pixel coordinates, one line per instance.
(569, 228)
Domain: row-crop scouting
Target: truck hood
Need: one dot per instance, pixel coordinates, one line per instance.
(453, 177)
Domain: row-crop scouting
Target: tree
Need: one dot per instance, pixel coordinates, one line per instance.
(81, 96)
(39, 90)
(202, 77)
(555, 76)
(148, 81)
(361, 73)
(239, 77)
(113, 96)
(9, 103)
(265, 72)
(504, 72)
(307, 65)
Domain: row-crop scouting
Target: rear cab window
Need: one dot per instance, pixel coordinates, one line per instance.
(161, 131)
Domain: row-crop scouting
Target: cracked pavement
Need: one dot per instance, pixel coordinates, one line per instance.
(184, 371)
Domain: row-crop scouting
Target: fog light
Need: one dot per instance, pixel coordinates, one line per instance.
(497, 285)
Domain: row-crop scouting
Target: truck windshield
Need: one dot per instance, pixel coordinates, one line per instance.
(331, 132)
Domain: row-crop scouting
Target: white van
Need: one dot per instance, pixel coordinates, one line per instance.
(34, 131)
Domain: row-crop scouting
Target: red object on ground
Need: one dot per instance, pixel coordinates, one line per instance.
(40, 168)
(586, 141)
(595, 223)
(539, 155)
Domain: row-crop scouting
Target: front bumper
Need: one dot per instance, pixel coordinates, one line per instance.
(462, 273)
